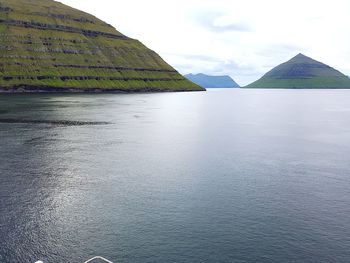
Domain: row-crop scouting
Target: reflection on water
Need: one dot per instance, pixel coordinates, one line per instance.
(224, 176)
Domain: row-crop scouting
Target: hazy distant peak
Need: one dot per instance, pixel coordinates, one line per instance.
(207, 81)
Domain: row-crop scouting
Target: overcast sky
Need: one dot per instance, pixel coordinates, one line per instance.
(240, 38)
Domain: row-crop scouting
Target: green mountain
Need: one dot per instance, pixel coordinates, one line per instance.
(48, 46)
(207, 81)
(302, 72)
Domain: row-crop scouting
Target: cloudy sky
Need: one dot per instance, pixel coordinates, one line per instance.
(240, 38)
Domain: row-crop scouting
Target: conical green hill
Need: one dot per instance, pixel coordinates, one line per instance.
(302, 72)
(48, 46)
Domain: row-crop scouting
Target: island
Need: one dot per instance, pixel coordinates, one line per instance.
(302, 72)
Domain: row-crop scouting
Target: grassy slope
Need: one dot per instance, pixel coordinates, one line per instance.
(315, 82)
(63, 55)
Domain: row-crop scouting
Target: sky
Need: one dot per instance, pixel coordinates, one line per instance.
(240, 38)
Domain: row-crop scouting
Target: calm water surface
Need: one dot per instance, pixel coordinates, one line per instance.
(223, 176)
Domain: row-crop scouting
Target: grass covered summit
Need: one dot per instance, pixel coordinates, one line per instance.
(48, 46)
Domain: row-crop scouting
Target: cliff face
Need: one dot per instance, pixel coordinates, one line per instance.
(47, 46)
(207, 81)
(302, 72)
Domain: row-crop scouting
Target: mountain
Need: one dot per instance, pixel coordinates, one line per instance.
(207, 81)
(48, 46)
(302, 72)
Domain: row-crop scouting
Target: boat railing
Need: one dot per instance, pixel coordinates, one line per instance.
(90, 260)
(98, 257)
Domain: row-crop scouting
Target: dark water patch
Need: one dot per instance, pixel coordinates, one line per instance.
(54, 122)
(38, 140)
(33, 140)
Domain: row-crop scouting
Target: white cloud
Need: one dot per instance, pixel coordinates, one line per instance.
(242, 38)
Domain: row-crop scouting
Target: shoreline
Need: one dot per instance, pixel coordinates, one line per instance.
(49, 89)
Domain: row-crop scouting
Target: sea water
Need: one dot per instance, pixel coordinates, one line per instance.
(219, 176)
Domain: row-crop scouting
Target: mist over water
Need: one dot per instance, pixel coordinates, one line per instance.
(219, 176)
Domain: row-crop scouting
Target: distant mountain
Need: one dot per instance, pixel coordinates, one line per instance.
(207, 81)
(302, 72)
(48, 46)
